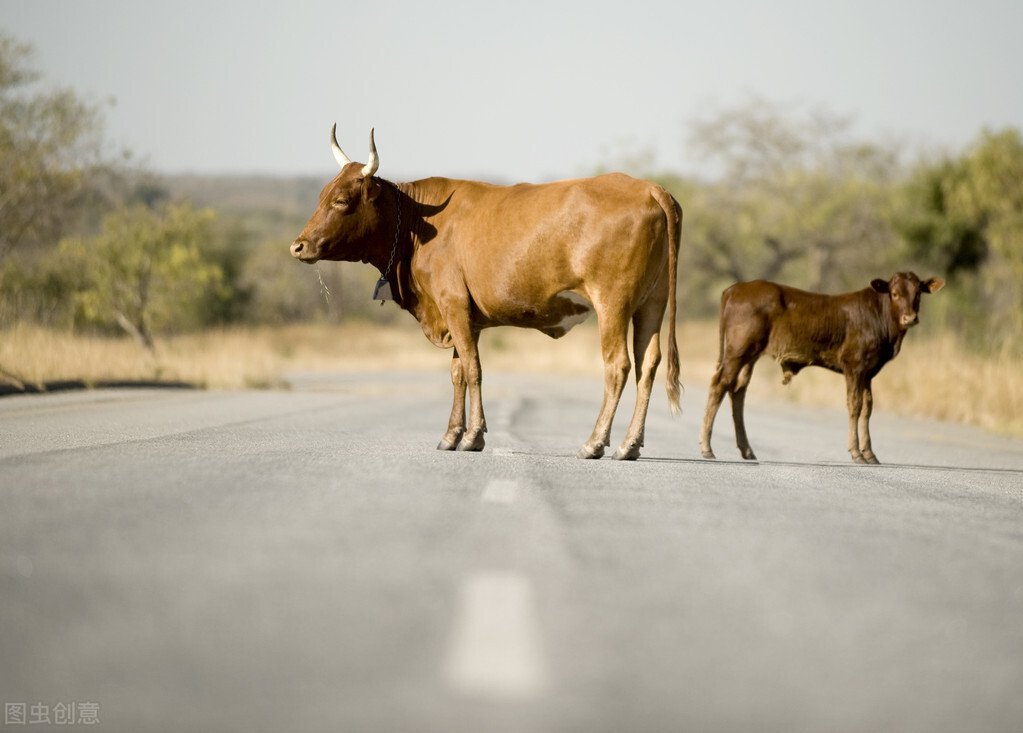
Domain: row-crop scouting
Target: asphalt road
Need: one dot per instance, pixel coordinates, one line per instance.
(306, 561)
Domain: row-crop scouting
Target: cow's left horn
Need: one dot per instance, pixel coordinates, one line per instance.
(374, 161)
(339, 154)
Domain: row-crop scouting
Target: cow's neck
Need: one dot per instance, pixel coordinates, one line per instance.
(391, 255)
(422, 203)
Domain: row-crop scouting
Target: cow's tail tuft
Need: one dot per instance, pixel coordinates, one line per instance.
(673, 214)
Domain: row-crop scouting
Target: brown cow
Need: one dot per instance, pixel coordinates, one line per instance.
(855, 334)
(462, 256)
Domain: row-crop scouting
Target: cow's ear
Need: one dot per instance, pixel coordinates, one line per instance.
(371, 189)
(933, 285)
(879, 285)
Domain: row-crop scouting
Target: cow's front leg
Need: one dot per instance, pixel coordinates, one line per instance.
(854, 401)
(864, 425)
(456, 424)
(467, 347)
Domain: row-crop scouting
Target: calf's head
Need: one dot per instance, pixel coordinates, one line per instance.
(347, 215)
(904, 291)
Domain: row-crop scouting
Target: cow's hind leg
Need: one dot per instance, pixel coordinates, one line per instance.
(738, 397)
(456, 423)
(646, 348)
(615, 352)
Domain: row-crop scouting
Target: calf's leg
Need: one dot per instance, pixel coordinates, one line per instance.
(738, 397)
(864, 425)
(854, 387)
(723, 381)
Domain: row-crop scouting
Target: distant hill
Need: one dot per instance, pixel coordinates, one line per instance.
(247, 194)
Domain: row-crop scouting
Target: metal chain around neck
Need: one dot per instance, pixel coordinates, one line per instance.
(397, 231)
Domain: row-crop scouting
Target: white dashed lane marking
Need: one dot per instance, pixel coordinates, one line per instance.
(495, 649)
(501, 491)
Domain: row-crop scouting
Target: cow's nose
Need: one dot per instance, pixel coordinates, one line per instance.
(299, 247)
(910, 320)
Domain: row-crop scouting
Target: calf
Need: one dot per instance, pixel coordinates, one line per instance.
(855, 334)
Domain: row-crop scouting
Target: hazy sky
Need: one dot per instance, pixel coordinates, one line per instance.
(512, 91)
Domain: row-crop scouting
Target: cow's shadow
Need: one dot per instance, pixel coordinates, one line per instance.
(418, 226)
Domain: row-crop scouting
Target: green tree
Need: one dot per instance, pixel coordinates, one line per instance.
(964, 217)
(791, 196)
(51, 162)
(147, 271)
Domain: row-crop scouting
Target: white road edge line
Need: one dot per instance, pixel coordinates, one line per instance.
(495, 649)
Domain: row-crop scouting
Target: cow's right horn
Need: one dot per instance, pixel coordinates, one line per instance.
(339, 154)
(374, 161)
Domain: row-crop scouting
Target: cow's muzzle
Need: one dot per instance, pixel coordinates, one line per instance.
(302, 249)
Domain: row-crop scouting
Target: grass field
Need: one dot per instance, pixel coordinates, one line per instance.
(933, 377)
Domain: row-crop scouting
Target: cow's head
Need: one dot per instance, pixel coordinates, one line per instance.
(347, 217)
(904, 291)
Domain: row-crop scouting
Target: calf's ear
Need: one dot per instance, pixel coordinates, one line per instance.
(879, 285)
(933, 285)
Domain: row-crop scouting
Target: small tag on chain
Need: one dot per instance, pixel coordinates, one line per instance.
(382, 291)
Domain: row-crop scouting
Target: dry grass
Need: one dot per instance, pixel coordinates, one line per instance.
(933, 377)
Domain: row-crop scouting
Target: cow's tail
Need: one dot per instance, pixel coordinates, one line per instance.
(673, 214)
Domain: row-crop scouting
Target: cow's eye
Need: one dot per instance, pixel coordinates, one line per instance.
(895, 296)
(340, 204)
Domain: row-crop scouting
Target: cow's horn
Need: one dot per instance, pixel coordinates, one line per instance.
(374, 161)
(339, 154)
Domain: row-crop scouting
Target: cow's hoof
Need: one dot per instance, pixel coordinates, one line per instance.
(749, 455)
(630, 452)
(588, 452)
(450, 440)
(472, 442)
(708, 454)
(860, 460)
(871, 459)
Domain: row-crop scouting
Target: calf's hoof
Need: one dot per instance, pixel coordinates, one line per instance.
(627, 452)
(708, 454)
(749, 455)
(590, 452)
(860, 460)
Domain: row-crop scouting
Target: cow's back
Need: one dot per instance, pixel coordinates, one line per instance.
(527, 218)
(523, 244)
